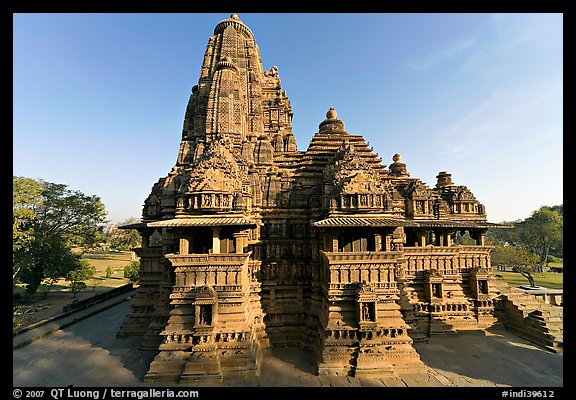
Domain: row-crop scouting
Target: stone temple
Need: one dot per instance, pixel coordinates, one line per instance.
(249, 243)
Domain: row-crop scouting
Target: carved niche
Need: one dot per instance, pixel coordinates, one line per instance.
(351, 184)
(367, 300)
(214, 182)
(205, 307)
(421, 201)
(460, 200)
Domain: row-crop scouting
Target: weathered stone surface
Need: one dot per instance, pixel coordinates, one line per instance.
(249, 243)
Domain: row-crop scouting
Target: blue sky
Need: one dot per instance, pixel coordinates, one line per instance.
(99, 99)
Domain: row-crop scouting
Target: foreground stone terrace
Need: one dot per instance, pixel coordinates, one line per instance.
(87, 353)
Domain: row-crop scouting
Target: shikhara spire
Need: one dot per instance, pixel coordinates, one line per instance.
(248, 242)
(235, 97)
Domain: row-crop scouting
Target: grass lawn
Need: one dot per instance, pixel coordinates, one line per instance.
(49, 300)
(101, 260)
(550, 280)
(556, 264)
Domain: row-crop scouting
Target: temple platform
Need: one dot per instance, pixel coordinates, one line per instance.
(87, 353)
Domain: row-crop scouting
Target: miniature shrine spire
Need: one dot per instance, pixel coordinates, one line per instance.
(444, 178)
(331, 124)
(398, 168)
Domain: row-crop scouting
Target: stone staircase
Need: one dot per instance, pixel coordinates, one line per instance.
(532, 319)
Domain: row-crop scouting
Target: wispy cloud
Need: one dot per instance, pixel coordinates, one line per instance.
(442, 55)
(507, 115)
(534, 29)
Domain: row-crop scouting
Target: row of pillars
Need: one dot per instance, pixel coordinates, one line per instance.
(240, 242)
(381, 242)
(441, 238)
(384, 243)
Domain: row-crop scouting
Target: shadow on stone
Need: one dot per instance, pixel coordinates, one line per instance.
(498, 357)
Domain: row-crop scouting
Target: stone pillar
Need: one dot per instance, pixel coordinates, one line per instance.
(420, 237)
(448, 239)
(377, 242)
(216, 240)
(184, 246)
(480, 238)
(240, 241)
(388, 245)
(334, 244)
(145, 240)
(441, 238)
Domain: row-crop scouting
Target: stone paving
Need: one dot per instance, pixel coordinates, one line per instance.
(87, 353)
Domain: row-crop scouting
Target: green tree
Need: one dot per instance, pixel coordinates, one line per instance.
(71, 214)
(26, 197)
(520, 259)
(559, 208)
(528, 246)
(541, 233)
(79, 276)
(463, 239)
(504, 236)
(52, 218)
(125, 239)
(132, 271)
(47, 258)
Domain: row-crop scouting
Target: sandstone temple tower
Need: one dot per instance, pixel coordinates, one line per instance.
(250, 243)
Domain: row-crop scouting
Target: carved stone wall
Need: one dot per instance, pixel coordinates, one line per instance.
(326, 249)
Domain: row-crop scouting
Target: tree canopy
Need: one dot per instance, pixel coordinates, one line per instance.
(26, 197)
(70, 214)
(542, 233)
(48, 219)
(519, 259)
(77, 276)
(527, 247)
(125, 239)
(132, 271)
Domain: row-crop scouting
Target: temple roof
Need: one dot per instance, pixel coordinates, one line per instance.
(225, 220)
(383, 221)
(237, 143)
(434, 223)
(204, 221)
(358, 221)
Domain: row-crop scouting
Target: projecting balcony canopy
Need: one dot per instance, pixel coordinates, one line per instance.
(434, 223)
(138, 225)
(204, 221)
(337, 222)
(195, 221)
(379, 221)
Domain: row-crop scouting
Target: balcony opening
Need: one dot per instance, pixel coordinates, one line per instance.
(205, 314)
(368, 312)
(355, 243)
(483, 286)
(437, 290)
(201, 242)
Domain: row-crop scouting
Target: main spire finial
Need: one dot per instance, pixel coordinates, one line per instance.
(331, 114)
